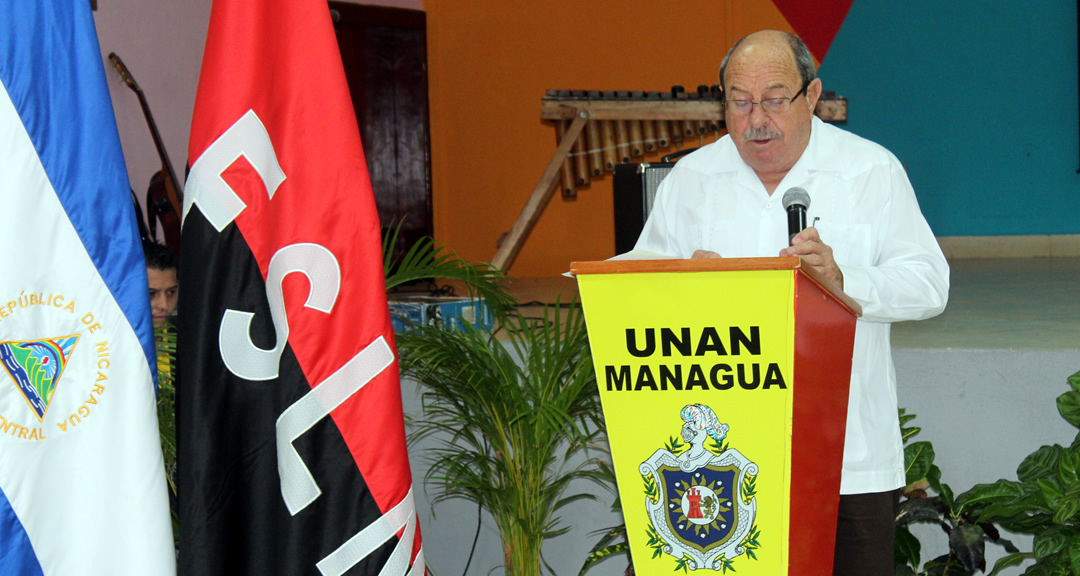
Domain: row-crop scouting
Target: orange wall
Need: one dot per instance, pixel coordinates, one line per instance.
(490, 62)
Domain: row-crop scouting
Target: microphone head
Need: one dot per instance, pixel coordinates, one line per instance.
(795, 196)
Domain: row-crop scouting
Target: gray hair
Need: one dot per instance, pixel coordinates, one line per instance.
(804, 61)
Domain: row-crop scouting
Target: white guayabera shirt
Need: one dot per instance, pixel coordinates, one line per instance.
(864, 208)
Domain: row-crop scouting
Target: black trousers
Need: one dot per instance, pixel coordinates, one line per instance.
(865, 530)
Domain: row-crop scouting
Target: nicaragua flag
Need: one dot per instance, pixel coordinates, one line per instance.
(292, 447)
(82, 484)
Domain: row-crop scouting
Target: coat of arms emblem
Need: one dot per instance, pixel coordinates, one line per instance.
(700, 496)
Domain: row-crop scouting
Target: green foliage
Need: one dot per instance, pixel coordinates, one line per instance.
(1043, 501)
(505, 417)
(959, 520)
(749, 488)
(613, 542)
(750, 543)
(918, 461)
(655, 541)
(165, 343)
(651, 489)
(676, 446)
(428, 259)
(906, 433)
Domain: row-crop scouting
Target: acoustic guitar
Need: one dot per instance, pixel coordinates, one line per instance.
(164, 195)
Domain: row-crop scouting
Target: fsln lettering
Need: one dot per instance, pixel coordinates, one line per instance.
(239, 353)
(217, 201)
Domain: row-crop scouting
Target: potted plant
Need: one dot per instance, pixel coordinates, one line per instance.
(506, 417)
(1044, 501)
(426, 260)
(957, 519)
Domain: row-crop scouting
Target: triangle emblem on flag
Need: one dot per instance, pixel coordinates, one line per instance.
(36, 367)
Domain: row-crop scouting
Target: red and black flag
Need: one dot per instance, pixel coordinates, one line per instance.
(292, 444)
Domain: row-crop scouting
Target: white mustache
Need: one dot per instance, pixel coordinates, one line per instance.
(762, 132)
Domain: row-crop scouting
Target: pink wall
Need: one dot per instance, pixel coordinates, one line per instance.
(162, 45)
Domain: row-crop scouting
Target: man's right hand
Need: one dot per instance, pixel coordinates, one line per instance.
(705, 254)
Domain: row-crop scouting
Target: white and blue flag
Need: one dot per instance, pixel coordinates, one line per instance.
(82, 486)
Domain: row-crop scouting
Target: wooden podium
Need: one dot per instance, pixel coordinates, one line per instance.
(724, 384)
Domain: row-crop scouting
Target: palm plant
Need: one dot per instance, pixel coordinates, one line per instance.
(165, 343)
(507, 418)
(613, 541)
(426, 259)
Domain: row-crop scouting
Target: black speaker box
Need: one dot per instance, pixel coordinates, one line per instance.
(634, 186)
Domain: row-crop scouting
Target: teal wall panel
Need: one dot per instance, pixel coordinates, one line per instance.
(977, 99)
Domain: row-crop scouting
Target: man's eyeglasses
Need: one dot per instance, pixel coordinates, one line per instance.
(770, 105)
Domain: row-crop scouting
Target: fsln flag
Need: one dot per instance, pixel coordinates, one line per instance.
(292, 450)
(82, 484)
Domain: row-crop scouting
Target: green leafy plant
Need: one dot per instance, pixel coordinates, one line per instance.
(506, 418)
(427, 259)
(751, 542)
(613, 541)
(958, 518)
(1043, 501)
(165, 343)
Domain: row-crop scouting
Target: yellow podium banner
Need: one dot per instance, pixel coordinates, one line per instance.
(697, 377)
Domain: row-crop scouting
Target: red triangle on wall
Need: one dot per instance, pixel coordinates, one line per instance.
(815, 22)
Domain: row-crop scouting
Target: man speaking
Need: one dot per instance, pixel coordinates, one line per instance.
(866, 235)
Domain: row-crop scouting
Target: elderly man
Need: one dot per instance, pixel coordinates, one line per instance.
(867, 236)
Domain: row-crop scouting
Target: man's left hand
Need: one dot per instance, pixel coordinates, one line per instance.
(808, 246)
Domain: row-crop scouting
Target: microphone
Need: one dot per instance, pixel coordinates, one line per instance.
(796, 201)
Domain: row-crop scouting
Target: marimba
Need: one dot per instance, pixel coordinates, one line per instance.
(597, 129)
(627, 125)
